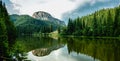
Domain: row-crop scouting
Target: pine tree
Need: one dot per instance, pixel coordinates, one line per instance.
(7, 32)
(116, 24)
(105, 22)
(11, 30)
(3, 34)
(95, 25)
(70, 27)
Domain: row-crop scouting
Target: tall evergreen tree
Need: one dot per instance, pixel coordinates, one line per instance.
(116, 26)
(11, 31)
(105, 22)
(109, 24)
(95, 25)
(7, 32)
(70, 28)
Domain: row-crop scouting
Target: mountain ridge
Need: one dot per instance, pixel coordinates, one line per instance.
(30, 24)
(47, 17)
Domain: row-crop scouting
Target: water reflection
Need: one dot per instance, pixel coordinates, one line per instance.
(105, 49)
(71, 49)
(61, 55)
(29, 43)
(45, 51)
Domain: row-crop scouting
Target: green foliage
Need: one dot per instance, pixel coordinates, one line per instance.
(29, 25)
(70, 28)
(105, 22)
(104, 49)
(7, 33)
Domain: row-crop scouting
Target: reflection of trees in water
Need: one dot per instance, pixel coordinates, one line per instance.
(40, 46)
(103, 49)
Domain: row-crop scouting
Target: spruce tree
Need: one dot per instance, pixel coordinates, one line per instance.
(7, 31)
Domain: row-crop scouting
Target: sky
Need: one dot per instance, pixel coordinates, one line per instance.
(57, 8)
(88, 8)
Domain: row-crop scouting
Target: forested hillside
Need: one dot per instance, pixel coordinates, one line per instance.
(105, 22)
(26, 24)
(7, 32)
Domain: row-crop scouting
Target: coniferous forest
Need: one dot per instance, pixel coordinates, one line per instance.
(105, 22)
(25, 37)
(7, 32)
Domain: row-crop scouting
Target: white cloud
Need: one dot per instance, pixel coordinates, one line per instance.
(55, 7)
(10, 7)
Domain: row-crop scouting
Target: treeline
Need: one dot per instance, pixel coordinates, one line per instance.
(104, 49)
(7, 32)
(105, 22)
(31, 29)
(28, 25)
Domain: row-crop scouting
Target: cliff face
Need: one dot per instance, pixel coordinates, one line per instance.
(47, 17)
(41, 15)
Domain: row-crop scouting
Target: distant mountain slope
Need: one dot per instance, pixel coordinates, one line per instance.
(27, 25)
(47, 17)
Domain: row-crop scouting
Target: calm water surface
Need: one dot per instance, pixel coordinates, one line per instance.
(71, 49)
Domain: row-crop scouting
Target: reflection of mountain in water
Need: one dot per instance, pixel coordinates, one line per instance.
(29, 43)
(104, 49)
(45, 51)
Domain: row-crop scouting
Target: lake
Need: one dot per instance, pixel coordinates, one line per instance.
(69, 48)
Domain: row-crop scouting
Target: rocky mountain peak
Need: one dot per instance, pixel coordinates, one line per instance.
(41, 15)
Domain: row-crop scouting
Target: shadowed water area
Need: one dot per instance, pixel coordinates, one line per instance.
(70, 48)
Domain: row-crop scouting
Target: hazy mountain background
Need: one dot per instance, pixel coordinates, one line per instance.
(82, 7)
